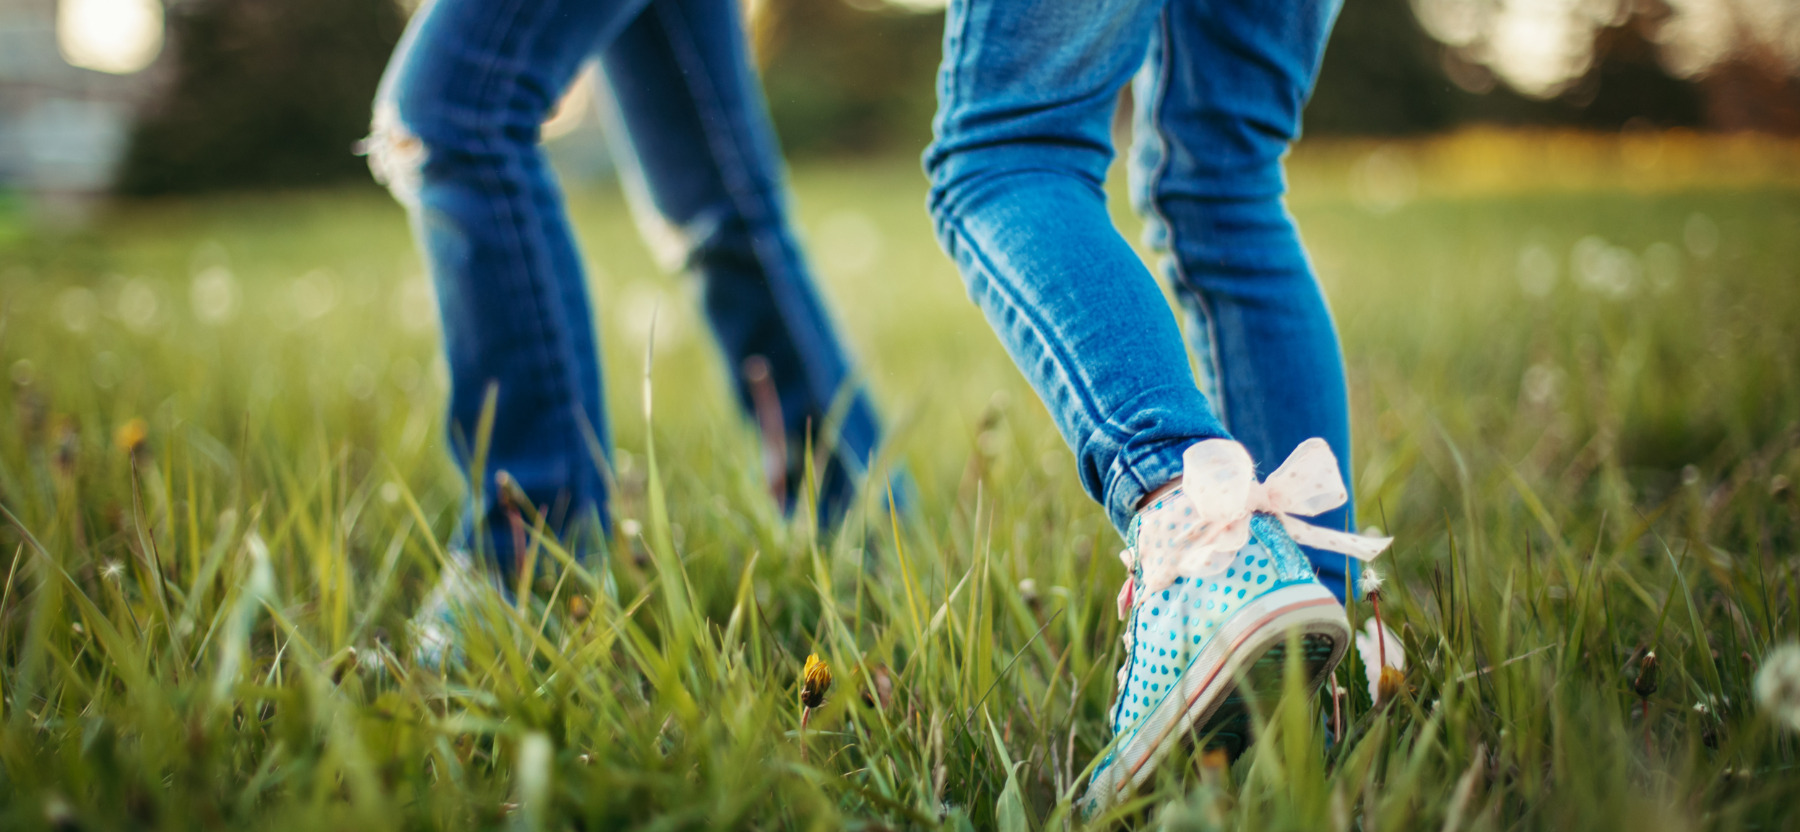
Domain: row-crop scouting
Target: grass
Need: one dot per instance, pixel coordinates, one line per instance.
(1577, 407)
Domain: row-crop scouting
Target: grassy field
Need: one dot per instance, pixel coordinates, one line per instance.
(1577, 406)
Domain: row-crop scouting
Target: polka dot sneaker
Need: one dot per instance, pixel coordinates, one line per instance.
(1217, 585)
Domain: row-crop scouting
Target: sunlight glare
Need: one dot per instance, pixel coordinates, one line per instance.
(1542, 47)
(114, 36)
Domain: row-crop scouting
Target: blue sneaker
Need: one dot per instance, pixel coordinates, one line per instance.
(1200, 645)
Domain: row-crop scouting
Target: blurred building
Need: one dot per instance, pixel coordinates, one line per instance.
(73, 76)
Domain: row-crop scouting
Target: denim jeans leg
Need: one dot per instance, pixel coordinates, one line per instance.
(1025, 97)
(1219, 100)
(457, 138)
(699, 157)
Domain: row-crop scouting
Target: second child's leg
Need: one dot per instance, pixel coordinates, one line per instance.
(700, 161)
(1218, 101)
(456, 139)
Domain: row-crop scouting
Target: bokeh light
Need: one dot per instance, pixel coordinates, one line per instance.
(114, 36)
(1541, 47)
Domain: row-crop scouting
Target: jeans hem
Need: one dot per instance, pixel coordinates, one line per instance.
(1133, 480)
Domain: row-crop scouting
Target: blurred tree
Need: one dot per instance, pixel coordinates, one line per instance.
(265, 94)
(857, 75)
(1724, 64)
(1380, 75)
(848, 76)
(1628, 86)
(1385, 74)
(273, 94)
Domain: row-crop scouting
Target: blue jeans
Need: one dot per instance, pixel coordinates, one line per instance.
(456, 137)
(1026, 95)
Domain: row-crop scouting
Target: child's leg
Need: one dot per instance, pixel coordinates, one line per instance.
(1026, 93)
(700, 161)
(1218, 101)
(456, 139)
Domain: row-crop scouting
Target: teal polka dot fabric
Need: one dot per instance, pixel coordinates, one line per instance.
(1168, 628)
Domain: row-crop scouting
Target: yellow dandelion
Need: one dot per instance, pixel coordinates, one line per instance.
(1389, 685)
(815, 682)
(132, 437)
(1384, 661)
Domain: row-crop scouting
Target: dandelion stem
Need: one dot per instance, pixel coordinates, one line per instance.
(1337, 711)
(1380, 633)
(517, 524)
(805, 714)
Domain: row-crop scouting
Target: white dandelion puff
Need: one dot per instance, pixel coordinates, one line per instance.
(1778, 685)
(1374, 659)
(1370, 582)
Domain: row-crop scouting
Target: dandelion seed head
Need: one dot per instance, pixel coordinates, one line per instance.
(1777, 685)
(1370, 582)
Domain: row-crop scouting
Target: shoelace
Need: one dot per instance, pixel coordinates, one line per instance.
(1220, 493)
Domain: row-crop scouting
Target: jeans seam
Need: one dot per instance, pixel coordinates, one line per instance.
(1153, 203)
(954, 81)
(1102, 424)
(492, 139)
(731, 161)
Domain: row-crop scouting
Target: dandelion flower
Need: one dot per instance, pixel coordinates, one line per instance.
(1370, 582)
(1778, 685)
(815, 682)
(1390, 684)
(1645, 682)
(131, 437)
(1387, 674)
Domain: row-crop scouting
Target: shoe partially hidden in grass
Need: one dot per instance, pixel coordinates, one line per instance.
(436, 626)
(1201, 645)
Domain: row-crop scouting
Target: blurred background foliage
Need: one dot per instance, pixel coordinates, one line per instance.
(262, 95)
(274, 94)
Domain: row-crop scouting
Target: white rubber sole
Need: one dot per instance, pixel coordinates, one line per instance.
(1259, 626)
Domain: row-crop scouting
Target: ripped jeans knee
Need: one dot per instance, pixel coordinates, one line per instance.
(396, 155)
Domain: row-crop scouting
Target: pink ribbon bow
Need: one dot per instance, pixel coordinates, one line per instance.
(1202, 528)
